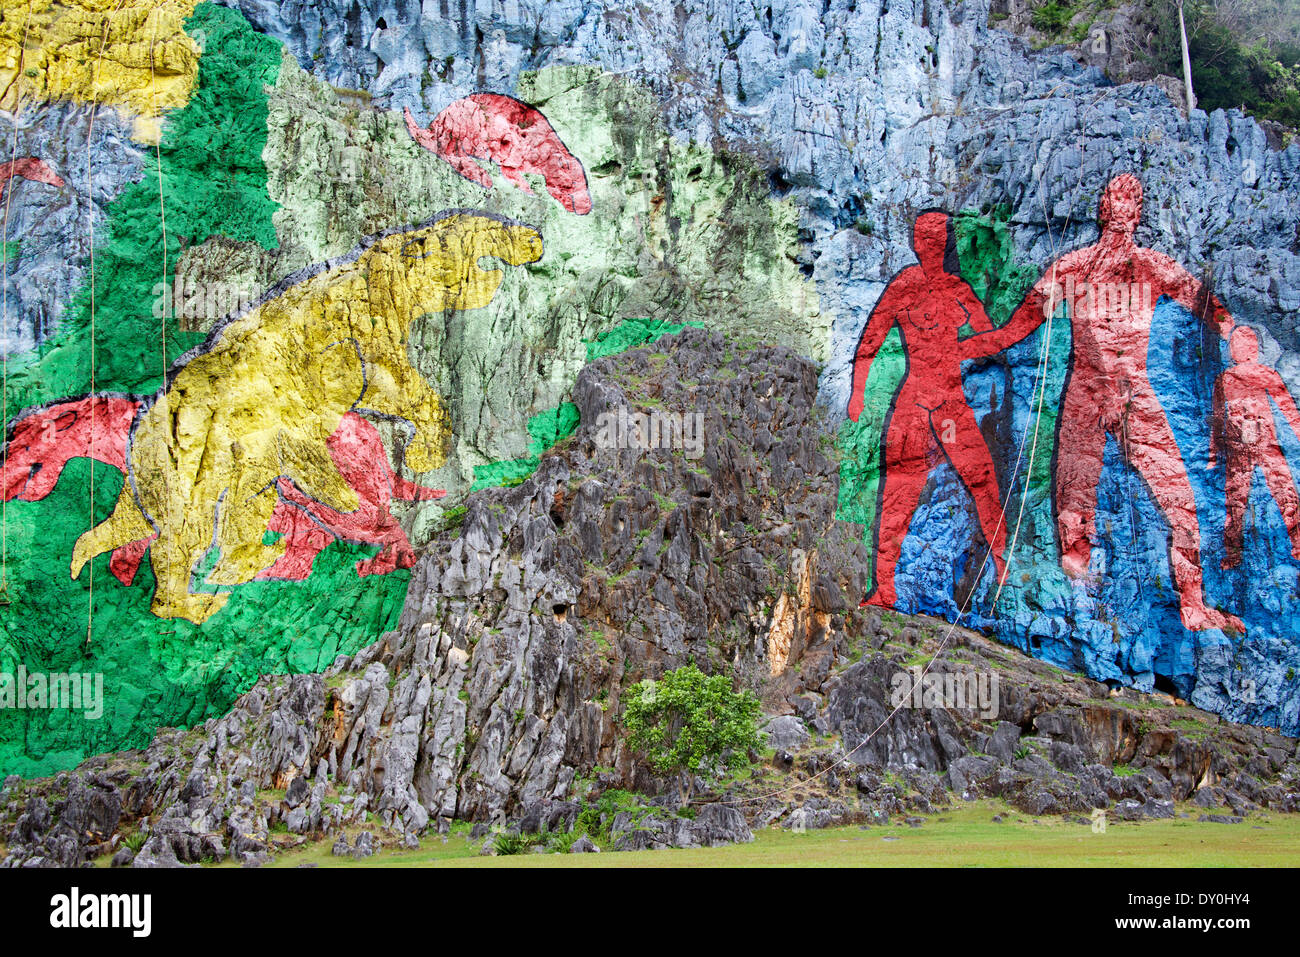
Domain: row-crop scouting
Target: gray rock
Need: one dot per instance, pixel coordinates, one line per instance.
(786, 732)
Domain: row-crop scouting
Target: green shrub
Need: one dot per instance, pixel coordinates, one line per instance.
(686, 722)
(1052, 17)
(508, 843)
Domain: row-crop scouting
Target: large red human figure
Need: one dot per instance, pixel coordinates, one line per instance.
(1242, 431)
(930, 418)
(1111, 288)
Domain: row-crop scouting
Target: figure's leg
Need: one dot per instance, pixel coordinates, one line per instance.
(1153, 452)
(407, 491)
(1239, 471)
(125, 560)
(908, 444)
(1278, 475)
(969, 455)
(242, 522)
(124, 525)
(173, 556)
(1080, 451)
(397, 389)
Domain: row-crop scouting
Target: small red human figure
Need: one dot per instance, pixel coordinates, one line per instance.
(930, 418)
(1242, 431)
(1111, 288)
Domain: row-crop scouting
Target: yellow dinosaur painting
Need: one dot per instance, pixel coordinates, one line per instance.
(131, 54)
(258, 400)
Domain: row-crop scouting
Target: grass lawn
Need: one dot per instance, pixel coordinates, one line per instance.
(962, 836)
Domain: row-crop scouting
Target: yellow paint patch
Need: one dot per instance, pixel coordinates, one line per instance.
(262, 397)
(130, 54)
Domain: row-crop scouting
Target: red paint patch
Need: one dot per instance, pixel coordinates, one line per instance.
(515, 136)
(42, 441)
(29, 167)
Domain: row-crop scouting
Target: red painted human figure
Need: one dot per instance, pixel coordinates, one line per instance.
(1110, 289)
(1242, 432)
(930, 418)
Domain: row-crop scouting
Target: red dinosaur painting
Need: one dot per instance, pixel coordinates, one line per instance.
(1242, 432)
(29, 167)
(929, 419)
(308, 526)
(43, 440)
(512, 134)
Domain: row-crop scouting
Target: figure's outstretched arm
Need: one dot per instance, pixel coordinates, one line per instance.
(1282, 396)
(878, 325)
(1196, 297)
(1029, 315)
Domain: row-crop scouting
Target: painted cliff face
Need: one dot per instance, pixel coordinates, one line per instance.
(1106, 437)
(292, 379)
(1056, 445)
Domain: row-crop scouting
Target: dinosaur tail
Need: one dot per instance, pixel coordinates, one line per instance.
(126, 524)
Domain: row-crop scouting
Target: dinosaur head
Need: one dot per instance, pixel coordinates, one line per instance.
(40, 442)
(447, 265)
(35, 454)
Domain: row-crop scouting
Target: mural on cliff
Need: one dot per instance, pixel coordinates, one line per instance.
(687, 164)
(929, 417)
(275, 410)
(1108, 435)
(256, 406)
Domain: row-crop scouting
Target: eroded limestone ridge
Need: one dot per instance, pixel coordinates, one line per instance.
(497, 697)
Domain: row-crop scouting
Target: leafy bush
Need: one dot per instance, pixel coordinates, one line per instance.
(687, 722)
(1052, 17)
(508, 843)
